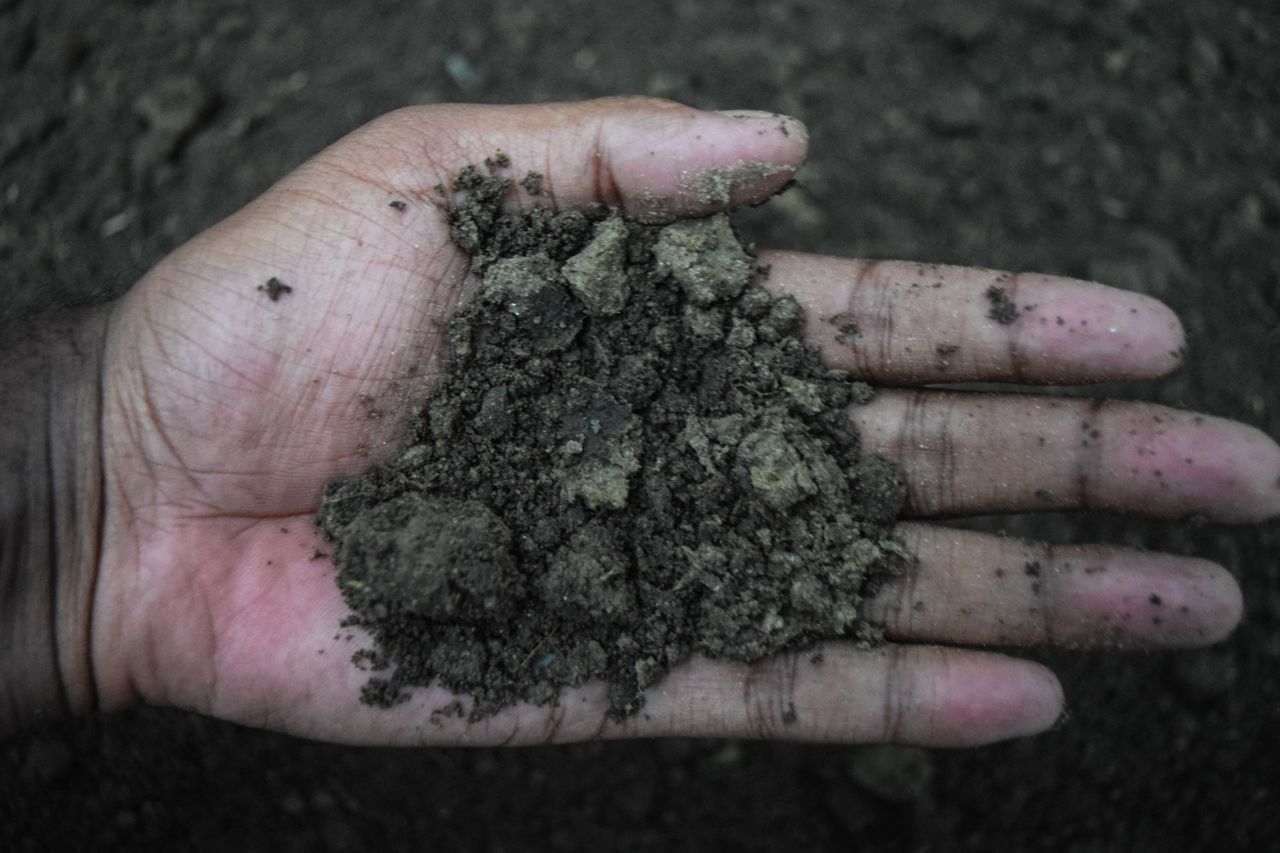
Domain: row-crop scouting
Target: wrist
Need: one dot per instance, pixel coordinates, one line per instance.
(51, 510)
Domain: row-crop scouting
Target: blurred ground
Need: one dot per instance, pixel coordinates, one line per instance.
(1134, 142)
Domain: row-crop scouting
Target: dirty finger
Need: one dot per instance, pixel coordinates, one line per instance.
(971, 587)
(904, 323)
(973, 454)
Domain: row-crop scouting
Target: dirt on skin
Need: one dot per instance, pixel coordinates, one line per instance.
(631, 458)
(1003, 309)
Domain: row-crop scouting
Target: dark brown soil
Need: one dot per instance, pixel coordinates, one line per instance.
(275, 288)
(631, 458)
(1002, 310)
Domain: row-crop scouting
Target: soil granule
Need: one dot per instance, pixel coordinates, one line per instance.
(275, 288)
(632, 457)
(1003, 309)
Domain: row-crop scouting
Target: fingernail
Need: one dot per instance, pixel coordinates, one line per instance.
(784, 124)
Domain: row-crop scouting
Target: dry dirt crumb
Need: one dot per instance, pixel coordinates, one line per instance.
(1002, 310)
(274, 288)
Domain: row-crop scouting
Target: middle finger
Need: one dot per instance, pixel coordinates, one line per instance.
(976, 454)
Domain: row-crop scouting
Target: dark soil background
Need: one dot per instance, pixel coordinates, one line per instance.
(1133, 142)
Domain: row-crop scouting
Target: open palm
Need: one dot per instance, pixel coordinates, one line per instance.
(226, 412)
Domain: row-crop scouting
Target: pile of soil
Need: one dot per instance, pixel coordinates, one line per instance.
(631, 457)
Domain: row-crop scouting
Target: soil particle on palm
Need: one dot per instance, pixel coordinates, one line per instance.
(847, 328)
(274, 288)
(632, 457)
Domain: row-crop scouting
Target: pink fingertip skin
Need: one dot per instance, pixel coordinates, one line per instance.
(1201, 462)
(1155, 600)
(1099, 330)
(989, 698)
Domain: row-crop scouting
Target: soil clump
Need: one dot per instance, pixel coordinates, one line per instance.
(632, 457)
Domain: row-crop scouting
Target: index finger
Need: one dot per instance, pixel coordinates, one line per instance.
(903, 323)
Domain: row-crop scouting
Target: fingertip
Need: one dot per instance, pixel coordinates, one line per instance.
(1199, 603)
(1267, 482)
(1038, 700)
(1148, 600)
(1100, 332)
(993, 698)
(1225, 604)
(1167, 341)
(1054, 709)
(688, 162)
(1207, 597)
(1240, 465)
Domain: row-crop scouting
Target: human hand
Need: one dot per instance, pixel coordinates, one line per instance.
(225, 412)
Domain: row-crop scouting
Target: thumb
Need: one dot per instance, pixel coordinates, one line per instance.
(655, 159)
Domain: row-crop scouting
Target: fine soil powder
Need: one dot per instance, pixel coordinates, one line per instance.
(632, 457)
